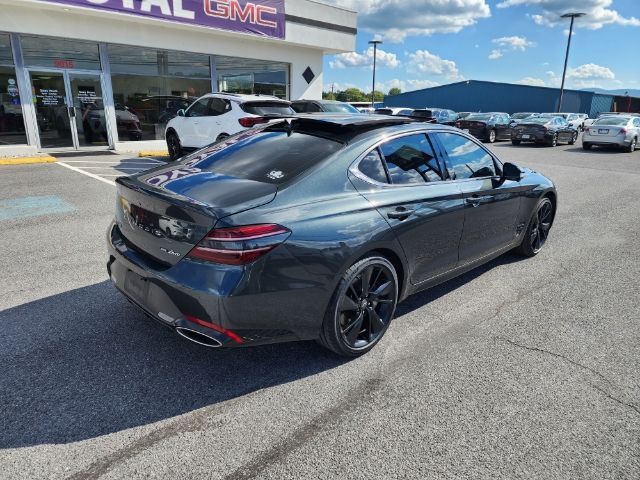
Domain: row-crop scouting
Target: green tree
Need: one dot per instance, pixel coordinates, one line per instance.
(394, 91)
(351, 95)
(378, 96)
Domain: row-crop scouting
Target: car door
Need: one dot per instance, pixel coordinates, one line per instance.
(212, 124)
(565, 133)
(406, 185)
(505, 129)
(190, 131)
(491, 203)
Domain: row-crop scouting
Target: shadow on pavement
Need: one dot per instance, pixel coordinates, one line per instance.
(86, 363)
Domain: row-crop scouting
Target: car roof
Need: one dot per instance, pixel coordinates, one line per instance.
(243, 97)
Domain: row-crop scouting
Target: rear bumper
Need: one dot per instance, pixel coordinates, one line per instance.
(216, 294)
(606, 142)
(533, 136)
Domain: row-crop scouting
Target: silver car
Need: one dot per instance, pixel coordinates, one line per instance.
(614, 131)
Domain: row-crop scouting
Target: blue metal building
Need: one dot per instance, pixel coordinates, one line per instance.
(482, 96)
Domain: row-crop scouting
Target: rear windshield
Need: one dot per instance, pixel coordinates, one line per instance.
(539, 120)
(272, 155)
(423, 113)
(615, 121)
(267, 108)
(383, 111)
(518, 116)
(479, 116)
(339, 107)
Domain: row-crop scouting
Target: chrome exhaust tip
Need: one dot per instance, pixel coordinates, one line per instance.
(198, 337)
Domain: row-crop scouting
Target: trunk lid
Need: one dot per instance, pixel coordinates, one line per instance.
(166, 212)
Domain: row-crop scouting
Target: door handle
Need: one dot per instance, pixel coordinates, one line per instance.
(400, 213)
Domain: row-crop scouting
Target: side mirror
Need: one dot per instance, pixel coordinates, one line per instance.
(181, 112)
(512, 172)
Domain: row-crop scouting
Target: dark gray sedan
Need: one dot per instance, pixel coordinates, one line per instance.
(316, 227)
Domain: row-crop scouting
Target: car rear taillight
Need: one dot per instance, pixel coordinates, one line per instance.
(249, 122)
(622, 131)
(239, 245)
(458, 124)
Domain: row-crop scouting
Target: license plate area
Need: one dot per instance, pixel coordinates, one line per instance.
(603, 131)
(136, 286)
(526, 135)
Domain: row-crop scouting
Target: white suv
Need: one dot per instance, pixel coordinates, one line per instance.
(215, 116)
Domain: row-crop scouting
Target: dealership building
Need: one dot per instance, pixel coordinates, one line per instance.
(109, 74)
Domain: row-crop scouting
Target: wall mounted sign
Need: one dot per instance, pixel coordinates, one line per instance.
(258, 17)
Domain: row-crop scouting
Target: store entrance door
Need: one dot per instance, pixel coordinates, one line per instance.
(69, 110)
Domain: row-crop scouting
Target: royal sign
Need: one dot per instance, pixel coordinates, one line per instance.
(258, 17)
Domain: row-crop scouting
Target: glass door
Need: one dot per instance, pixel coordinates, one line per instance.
(88, 110)
(69, 109)
(52, 113)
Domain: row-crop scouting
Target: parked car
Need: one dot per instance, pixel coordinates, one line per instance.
(463, 115)
(574, 119)
(392, 111)
(367, 110)
(436, 115)
(589, 121)
(518, 117)
(314, 106)
(620, 131)
(216, 116)
(546, 129)
(316, 227)
(488, 127)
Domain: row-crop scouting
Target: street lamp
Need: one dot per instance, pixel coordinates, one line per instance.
(375, 44)
(572, 16)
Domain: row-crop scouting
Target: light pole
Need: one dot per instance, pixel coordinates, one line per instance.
(375, 44)
(572, 16)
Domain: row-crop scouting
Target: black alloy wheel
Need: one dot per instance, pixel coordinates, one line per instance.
(361, 308)
(221, 137)
(554, 140)
(574, 138)
(538, 230)
(174, 146)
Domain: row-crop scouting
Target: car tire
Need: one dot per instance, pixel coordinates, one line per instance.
(586, 146)
(632, 146)
(356, 318)
(491, 138)
(515, 142)
(538, 229)
(174, 146)
(222, 136)
(554, 140)
(574, 138)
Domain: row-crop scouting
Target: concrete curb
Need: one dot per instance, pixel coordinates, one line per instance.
(26, 160)
(153, 153)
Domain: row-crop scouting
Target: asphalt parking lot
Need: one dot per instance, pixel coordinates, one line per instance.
(520, 369)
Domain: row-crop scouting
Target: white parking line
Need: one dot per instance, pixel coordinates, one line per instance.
(88, 174)
(117, 162)
(118, 166)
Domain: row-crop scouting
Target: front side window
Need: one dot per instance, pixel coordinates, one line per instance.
(410, 159)
(466, 159)
(199, 108)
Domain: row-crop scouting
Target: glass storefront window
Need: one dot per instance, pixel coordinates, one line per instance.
(243, 75)
(59, 53)
(153, 85)
(12, 131)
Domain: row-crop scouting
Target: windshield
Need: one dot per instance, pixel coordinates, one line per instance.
(615, 121)
(539, 120)
(267, 108)
(480, 116)
(519, 116)
(339, 107)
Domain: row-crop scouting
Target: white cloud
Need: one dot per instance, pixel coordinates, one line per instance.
(514, 43)
(398, 19)
(405, 85)
(590, 71)
(423, 61)
(598, 12)
(538, 82)
(365, 59)
(495, 54)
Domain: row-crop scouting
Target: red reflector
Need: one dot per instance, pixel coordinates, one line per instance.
(229, 257)
(249, 122)
(236, 338)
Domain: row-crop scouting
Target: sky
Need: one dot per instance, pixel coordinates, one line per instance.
(435, 42)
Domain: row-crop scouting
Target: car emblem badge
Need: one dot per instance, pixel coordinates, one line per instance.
(169, 252)
(275, 175)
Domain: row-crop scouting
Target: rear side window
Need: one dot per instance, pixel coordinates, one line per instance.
(219, 106)
(466, 159)
(410, 159)
(267, 108)
(371, 165)
(272, 155)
